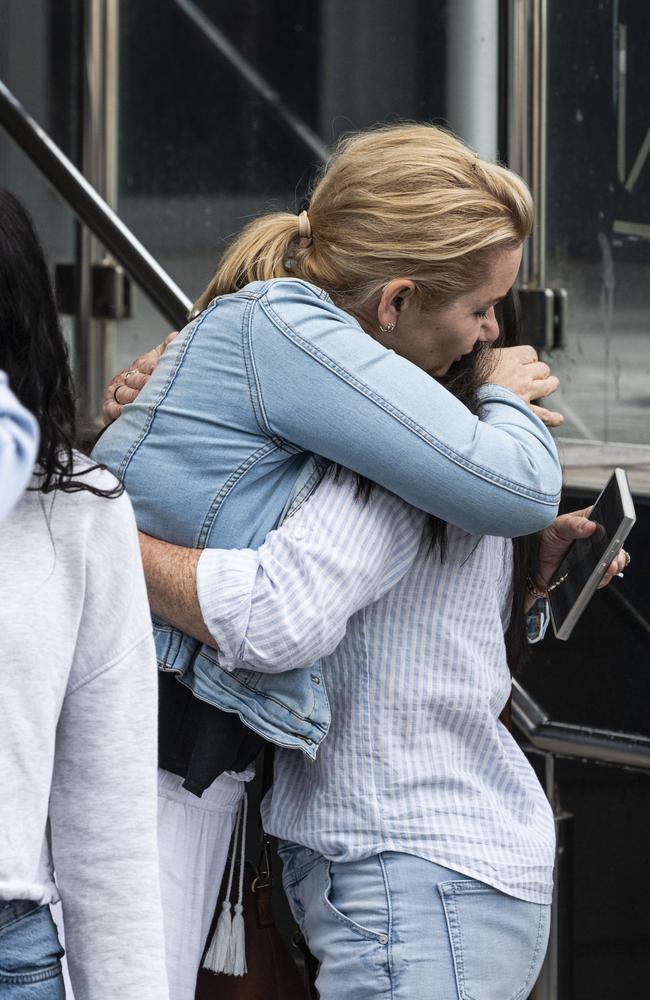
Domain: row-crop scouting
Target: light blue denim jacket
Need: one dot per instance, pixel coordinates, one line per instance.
(221, 442)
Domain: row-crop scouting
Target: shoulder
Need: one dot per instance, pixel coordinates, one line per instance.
(286, 294)
(261, 299)
(108, 546)
(272, 290)
(91, 508)
(87, 470)
(281, 289)
(284, 305)
(299, 310)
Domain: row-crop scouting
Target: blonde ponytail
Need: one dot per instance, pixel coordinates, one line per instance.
(405, 200)
(258, 253)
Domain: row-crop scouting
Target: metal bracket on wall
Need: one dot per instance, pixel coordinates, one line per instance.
(111, 290)
(543, 317)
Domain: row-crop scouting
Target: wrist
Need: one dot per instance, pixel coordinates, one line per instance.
(535, 590)
(539, 590)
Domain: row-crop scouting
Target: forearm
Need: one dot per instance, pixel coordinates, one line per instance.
(170, 572)
(288, 603)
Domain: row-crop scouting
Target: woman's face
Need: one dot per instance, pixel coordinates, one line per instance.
(434, 340)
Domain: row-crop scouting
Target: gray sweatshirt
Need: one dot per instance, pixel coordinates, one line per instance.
(78, 736)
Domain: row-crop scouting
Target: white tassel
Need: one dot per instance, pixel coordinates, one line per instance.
(217, 958)
(217, 954)
(237, 952)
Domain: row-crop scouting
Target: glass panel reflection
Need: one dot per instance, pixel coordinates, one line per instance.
(598, 232)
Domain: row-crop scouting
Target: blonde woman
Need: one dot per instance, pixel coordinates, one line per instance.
(409, 243)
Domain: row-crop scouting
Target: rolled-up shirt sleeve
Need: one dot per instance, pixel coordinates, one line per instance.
(287, 603)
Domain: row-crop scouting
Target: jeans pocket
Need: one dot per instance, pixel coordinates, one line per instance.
(498, 942)
(30, 951)
(355, 894)
(297, 861)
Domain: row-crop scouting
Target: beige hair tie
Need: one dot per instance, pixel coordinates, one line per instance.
(304, 226)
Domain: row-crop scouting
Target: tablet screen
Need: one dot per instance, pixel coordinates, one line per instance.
(585, 554)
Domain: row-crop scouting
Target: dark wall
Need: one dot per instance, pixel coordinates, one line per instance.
(192, 125)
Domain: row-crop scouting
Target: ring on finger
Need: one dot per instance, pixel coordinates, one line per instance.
(115, 390)
(628, 558)
(132, 371)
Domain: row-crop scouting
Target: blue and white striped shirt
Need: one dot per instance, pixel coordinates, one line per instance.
(416, 760)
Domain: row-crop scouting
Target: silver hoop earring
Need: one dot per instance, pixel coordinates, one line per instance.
(388, 328)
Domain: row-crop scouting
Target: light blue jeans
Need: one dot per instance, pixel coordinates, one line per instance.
(30, 953)
(398, 927)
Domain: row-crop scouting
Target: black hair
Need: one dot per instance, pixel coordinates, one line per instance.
(34, 354)
(464, 379)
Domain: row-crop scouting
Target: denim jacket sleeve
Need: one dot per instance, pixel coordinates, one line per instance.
(318, 381)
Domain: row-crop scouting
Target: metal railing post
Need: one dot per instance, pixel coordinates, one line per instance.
(99, 68)
(473, 73)
(527, 119)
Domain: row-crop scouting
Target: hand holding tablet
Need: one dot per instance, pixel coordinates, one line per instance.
(587, 559)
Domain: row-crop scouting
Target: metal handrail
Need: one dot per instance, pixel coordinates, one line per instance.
(92, 210)
(603, 746)
(254, 79)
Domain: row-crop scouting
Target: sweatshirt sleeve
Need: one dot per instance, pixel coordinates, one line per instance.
(326, 386)
(103, 819)
(288, 603)
(103, 832)
(18, 447)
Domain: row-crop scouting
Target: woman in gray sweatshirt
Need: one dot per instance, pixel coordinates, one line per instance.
(78, 688)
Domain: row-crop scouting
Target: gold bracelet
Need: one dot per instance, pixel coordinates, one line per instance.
(538, 594)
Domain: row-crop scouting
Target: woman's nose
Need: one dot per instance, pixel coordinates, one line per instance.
(489, 327)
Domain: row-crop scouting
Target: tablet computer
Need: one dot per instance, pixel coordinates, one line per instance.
(585, 563)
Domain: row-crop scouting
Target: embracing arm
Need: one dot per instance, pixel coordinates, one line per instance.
(287, 603)
(318, 381)
(170, 572)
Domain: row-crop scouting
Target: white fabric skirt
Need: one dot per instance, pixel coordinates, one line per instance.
(193, 838)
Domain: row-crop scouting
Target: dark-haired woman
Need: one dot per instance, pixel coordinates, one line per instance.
(18, 443)
(418, 847)
(77, 688)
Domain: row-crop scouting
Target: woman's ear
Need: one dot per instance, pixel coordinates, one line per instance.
(397, 296)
